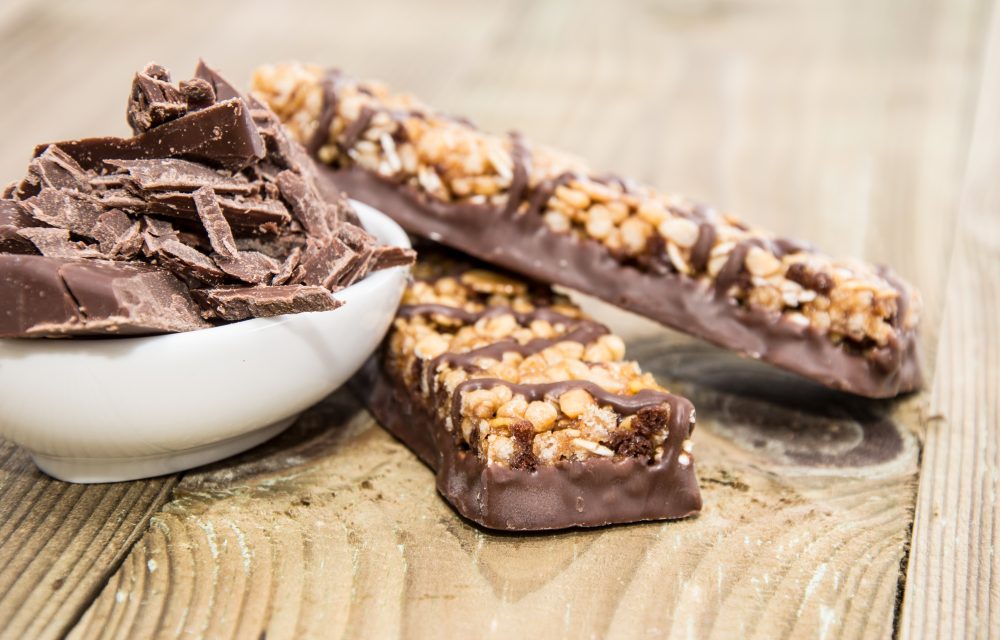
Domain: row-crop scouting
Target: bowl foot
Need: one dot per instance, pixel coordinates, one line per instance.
(94, 470)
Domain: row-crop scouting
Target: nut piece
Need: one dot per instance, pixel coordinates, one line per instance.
(680, 231)
(761, 263)
(541, 414)
(574, 403)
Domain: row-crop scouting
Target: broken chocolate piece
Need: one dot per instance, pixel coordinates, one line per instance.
(530, 419)
(222, 135)
(51, 297)
(12, 218)
(232, 304)
(852, 326)
(55, 243)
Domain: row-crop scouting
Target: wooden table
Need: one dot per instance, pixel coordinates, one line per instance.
(870, 126)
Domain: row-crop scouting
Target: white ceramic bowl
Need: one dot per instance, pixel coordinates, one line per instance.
(126, 408)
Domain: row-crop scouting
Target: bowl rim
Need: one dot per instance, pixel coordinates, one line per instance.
(383, 227)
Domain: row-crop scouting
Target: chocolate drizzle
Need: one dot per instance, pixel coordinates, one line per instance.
(583, 333)
(623, 404)
(519, 181)
(464, 315)
(327, 112)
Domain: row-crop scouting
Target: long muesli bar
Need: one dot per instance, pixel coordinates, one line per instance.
(525, 408)
(845, 323)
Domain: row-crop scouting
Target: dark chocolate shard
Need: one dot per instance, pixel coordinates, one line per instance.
(219, 233)
(222, 135)
(32, 294)
(55, 169)
(249, 266)
(240, 303)
(56, 243)
(12, 218)
(388, 257)
(185, 261)
(323, 262)
(65, 209)
(288, 267)
(118, 235)
(154, 100)
(171, 174)
(308, 207)
(130, 298)
(222, 88)
(54, 297)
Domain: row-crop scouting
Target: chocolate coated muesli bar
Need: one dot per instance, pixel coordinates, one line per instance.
(845, 323)
(525, 408)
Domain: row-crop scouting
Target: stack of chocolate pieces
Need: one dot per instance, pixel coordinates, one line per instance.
(209, 213)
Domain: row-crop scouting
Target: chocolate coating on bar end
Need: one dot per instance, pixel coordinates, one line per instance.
(587, 493)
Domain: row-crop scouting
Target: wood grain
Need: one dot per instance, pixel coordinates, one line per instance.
(953, 586)
(335, 529)
(60, 542)
(847, 123)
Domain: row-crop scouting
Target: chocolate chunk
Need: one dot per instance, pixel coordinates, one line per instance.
(219, 233)
(198, 93)
(306, 204)
(222, 135)
(54, 297)
(65, 209)
(220, 86)
(325, 262)
(55, 169)
(234, 304)
(249, 266)
(153, 100)
(33, 295)
(388, 257)
(185, 261)
(55, 243)
(14, 217)
(243, 213)
(118, 235)
(170, 174)
(288, 267)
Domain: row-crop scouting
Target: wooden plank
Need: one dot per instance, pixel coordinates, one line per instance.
(953, 585)
(334, 529)
(60, 542)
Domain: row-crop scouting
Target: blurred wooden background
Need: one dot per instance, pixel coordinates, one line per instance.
(871, 127)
